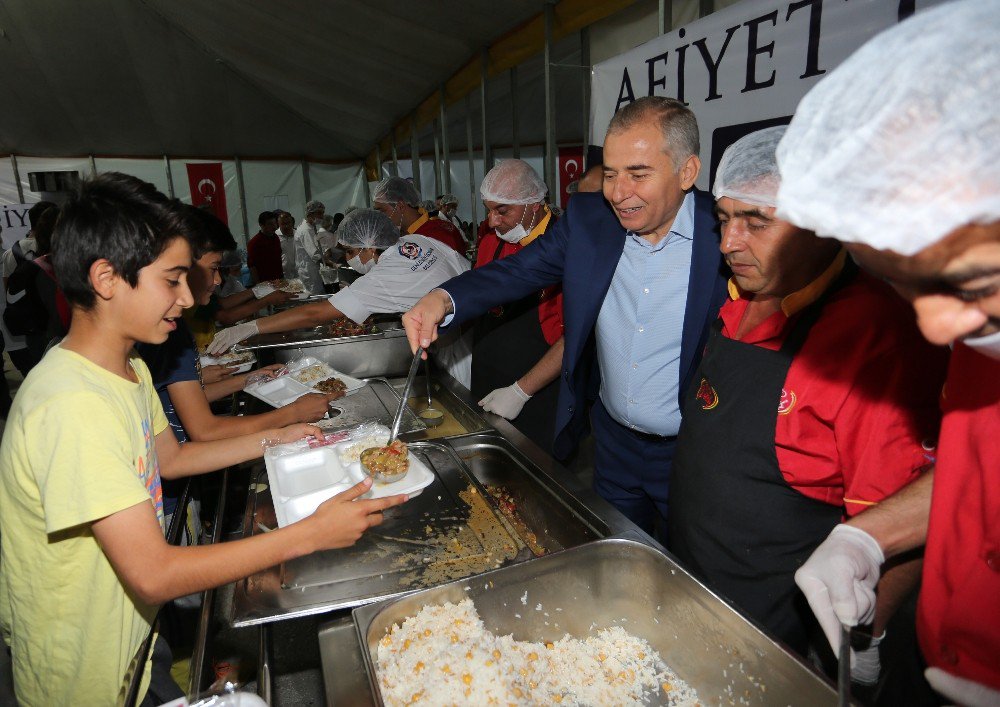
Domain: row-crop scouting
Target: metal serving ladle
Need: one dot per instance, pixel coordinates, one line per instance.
(430, 415)
(398, 417)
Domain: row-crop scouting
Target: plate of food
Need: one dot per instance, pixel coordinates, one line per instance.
(241, 361)
(319, 376)
(295, 287)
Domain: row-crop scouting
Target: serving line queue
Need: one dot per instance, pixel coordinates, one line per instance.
(758, 402)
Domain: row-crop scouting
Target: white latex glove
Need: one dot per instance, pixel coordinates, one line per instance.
(839, 580)
(962, 691)
(227, 338)
(866, 666)
(505, 402)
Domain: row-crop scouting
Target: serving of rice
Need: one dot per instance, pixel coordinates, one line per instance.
(444, 655)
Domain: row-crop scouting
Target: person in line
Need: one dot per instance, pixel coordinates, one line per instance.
(396, 272)
(642, 281)
(307, 249)
(919, 167)
(814, 401)
(398, 199)
(84, 564)
(231, 270)
(264, 250)
(447, 208)
(518, 347)
(286, 234)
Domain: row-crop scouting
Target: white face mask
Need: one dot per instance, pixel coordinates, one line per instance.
(515, 234)
(360, 266)
(986, 345)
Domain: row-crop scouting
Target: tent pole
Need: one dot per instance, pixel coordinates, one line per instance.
(170, 177)
(305, 181)
(472, 166)
(514, 113)
(17, 178)
(93, 166)
(437, 160)
(483, 101)
(446, 182)
(364, 182)
(395, 156)
(243, 197)
(378, 162)
(585, 60)
(550, 108)
(665, 16)
(705, 7)
(415, 154)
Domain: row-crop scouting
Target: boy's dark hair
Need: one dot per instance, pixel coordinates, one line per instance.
(205, 232)
(116, 217)
(35, 212)
(266, 216)
(43, 229)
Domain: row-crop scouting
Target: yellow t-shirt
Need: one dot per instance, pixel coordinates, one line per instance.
(78, 447)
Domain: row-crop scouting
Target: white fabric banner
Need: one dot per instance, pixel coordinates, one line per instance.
(14, 222)
(743, 68)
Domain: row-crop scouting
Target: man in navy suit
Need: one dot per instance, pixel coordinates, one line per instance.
(643, 280)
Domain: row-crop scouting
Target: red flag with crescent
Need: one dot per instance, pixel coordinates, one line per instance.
(570, 170)
(208, 187)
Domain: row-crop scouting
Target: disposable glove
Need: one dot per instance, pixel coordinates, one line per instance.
(839, 580)
(962, 691)
(505, 402)
(866, 665)
(227, 338)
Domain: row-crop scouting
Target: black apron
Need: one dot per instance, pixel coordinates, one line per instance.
(734, 520)
(507, 342)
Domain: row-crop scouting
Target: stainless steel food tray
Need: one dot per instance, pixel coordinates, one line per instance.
(375, 402)
(620, 582)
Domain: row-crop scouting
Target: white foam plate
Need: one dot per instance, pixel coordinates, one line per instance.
(278, 391)
(301, 481)
(301, 364)
(227, 360)
(263, 289)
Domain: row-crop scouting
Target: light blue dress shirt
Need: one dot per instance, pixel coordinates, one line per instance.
(639, 328)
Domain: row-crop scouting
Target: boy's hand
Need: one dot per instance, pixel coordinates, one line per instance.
(293, 433)
(312, 406)
(342, 520)
(276, 297)
(216, 372)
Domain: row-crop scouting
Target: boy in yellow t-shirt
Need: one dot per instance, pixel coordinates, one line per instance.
(83, 562)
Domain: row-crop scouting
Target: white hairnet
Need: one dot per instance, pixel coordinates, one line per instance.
(367, 228)
(900, 145)
(393, 189)
(513, 182)
(748, 171)
(314, 207)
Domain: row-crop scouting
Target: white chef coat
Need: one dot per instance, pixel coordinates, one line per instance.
(288, 268)
(403, 274)
(307, 257)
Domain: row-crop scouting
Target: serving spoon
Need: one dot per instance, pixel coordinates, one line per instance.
(398, 418)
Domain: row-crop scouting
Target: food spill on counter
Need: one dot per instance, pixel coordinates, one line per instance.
(508, 506)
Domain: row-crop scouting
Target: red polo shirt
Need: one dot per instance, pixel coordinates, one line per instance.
(859, 410)
(550, 302)
(958, 615)
(439, 230)
(264, 255)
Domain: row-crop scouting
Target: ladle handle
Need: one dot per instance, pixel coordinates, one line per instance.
(414, 365)
(427, 374)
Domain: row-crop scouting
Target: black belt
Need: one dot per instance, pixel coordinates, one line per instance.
(648, 436)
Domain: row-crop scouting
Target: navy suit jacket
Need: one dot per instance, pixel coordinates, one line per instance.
(582, 251)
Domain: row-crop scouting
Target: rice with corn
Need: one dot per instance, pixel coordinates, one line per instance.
(444, 655)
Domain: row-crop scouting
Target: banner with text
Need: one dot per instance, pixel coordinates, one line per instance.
(208, 187)
(14, 221)
(743, 68)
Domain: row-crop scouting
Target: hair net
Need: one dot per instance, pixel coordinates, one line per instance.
(314, 207)
(428, 205)
(367, 228)
(900, 145)
(393, 189)
(328, 224)
(748, 171)
(513, 182)
(448, 199)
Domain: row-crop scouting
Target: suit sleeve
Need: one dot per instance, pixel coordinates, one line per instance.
(538, 265)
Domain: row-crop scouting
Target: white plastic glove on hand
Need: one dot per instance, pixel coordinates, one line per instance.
(866, 665)
(962, 691)
(228, 338)
(839, 580)
(505, 402)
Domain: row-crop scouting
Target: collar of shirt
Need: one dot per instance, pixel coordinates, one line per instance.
(424, 218)
(773, 327)
(682, 227)
(539, 229)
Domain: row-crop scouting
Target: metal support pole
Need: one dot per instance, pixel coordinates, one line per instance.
(395, 156)
(550, 106)
(243, 197)
(665, 16)
(585, 60)
(364, 184)
(514, 114)
(437, 161)
(474, 192)
(415, 154)
(378, 163)
(446, 182)
(306, 187)
(93, 166)
(483, 101)
(170, 177)
(705, 7)
(17, 179)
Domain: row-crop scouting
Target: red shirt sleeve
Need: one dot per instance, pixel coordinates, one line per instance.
(443, 231)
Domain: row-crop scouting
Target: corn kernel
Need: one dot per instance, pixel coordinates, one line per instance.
(667, 687)
(489, 663)
(427, 632)
(641, 655)
(406, 644)
(550, 645)
(467, 678)
(532, 656)
(418, 667)
(468, 655)
(454, 638)
(518, 692)
(496, 654)
(557, 698)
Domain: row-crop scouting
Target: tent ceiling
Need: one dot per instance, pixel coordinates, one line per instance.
(309, 78)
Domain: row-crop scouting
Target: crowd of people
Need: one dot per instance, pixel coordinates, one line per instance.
(792, 382)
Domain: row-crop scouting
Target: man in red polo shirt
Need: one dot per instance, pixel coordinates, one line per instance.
(518, 347)
(264, 250)
(813, 398)
(909, 177)
(398, 199)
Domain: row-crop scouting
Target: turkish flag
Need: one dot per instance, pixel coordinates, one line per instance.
(208, 187)
(570, 170)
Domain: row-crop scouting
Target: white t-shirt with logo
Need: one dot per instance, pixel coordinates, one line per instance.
(403, 274)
